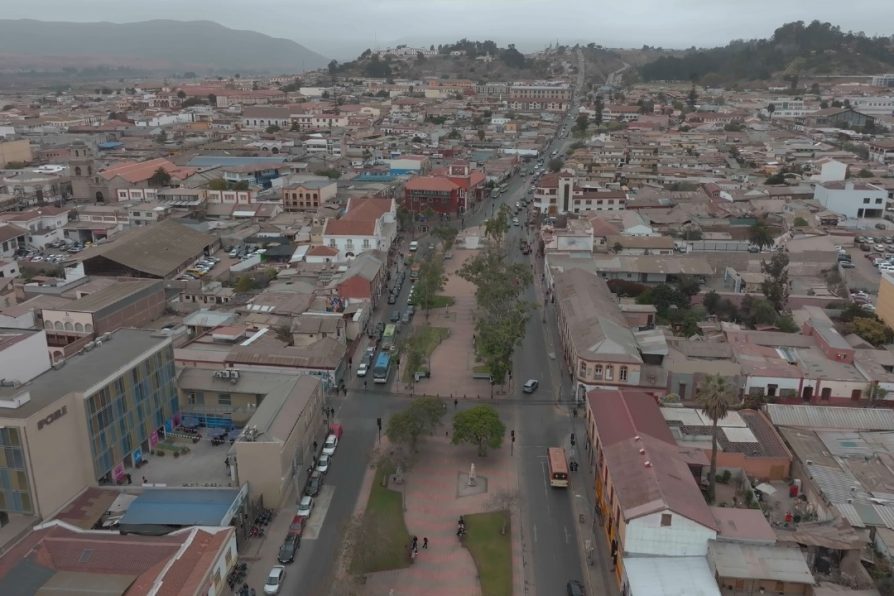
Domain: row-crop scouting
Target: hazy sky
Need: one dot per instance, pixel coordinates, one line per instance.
(343, 28)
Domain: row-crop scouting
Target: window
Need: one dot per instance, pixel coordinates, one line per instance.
(582, 372)
(622, 373)
(224, 399)
(609, 373)
(665, 520)
(866, 201)
(597, 371)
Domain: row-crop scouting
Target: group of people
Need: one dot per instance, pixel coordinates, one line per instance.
(461, 528)
(414, 547)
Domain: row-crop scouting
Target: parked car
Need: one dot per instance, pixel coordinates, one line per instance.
(288, 549)
(362, 369)
(414, 246)
(314, 484)
(530, 386)
(392, 298)
(305, 506)
(846, 265)
(394, 317)
(330, 444)
(274, 580)
(323, 464)
(575, 588)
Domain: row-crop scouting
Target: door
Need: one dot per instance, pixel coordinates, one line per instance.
(807, 394)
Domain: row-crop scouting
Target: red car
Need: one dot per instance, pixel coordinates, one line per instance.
(297, 525)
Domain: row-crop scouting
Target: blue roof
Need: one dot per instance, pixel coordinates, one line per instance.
(211, 161)
(110, 145)
(181, 507)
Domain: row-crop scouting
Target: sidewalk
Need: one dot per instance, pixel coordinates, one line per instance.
(433, 505)
(260, 552)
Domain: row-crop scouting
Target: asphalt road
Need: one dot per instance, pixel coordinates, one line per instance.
(540, 420)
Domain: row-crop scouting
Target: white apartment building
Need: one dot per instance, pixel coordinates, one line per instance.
(787, 107)
(874, 105)
(854, 200)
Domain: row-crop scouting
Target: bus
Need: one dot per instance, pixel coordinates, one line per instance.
(388, 336)
(558, 467)
(382, 368)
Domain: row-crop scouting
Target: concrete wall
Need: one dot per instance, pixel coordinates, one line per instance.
(25, 359)
(15, 151)
(684, 537)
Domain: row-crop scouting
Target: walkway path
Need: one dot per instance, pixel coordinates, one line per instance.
(433, 506)
(453, 361)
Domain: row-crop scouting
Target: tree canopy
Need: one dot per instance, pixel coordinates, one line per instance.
(420, 418)
(480, 426)
(160, 177)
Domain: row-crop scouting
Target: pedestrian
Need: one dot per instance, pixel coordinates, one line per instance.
(129, 481)
(145, 481)
(415, 541)
(425, 543)
(455, 403)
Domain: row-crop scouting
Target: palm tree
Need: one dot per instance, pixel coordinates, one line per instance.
(714, 396)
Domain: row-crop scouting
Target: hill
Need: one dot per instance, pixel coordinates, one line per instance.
(159, 45)
(794, 51)
(505, 64)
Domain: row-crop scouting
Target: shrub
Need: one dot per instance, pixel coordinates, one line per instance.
(160, 453)
(176, 454)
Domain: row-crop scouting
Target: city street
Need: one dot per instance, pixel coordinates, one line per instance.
(541, 420)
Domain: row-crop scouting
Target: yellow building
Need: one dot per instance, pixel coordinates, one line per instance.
(885, 306)
(15, 152)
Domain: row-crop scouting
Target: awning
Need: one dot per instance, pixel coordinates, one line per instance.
(765, 488)
(188, 422)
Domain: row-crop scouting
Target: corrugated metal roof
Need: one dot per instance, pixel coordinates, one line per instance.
(861, 515)
(838, 486)
(831, 417)
(670, 576)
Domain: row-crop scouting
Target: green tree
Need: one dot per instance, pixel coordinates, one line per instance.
(430, 281)
(420, 418)
(800, 222)
(873, 331)
(770, 109)
(715, 397)
(481, 134)
(555, 164)
(181, 94)
(864, 173)
(775, 284)
(333, 67)
(760, 235)
(580, 124)
(447, 234)
(711, 302)
(273, 128)
(244, 284)
(480, 426)
(159, 178)
(212, 99)
(161, 138)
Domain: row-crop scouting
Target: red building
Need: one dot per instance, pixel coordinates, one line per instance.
(452, 190)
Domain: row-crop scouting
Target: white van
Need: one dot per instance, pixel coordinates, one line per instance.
(413, 246)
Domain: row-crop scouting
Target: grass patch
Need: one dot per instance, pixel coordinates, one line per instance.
(383, 537)
(424, 341)
(491, 551)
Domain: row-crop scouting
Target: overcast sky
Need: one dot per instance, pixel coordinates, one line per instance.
(343, 28)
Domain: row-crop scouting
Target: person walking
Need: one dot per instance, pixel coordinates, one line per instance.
(425, 543)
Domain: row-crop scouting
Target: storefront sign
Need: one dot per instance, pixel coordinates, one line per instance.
(52, 417)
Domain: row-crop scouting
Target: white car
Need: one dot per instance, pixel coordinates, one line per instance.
(305, 506)
(274, 580)
(330, 445)
(361, 370)
(323, 463)
(414, 246)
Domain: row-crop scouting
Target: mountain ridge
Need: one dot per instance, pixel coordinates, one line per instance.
(163, 44)
(794, 50)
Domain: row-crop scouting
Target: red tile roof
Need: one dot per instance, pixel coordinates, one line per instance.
(63, 548)
(549, 181)
(621, 415)
(322, 251)
(649, 476)
(134, 172)
(343, 227)
(9, 231)
(431, 183)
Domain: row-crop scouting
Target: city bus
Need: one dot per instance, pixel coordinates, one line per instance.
(388, 336)
(558, 467)
(382, 369)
